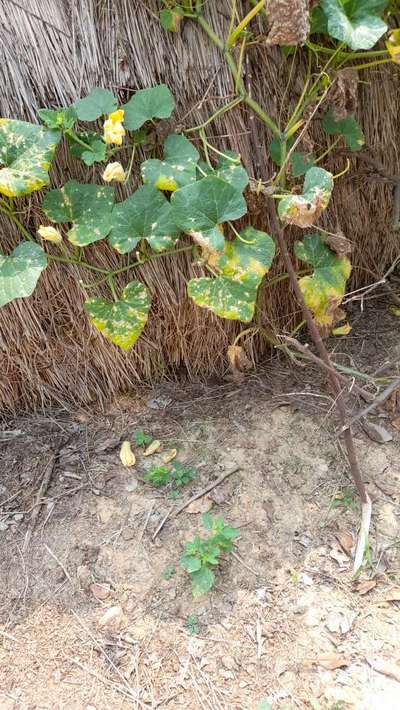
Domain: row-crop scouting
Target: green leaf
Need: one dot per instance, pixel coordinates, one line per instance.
(62, 118)
(121, 321)
(354, 22)
(324, 290)
(207, 203)
(170, 19)
(190, 563)
(146, 214)
(207, 521)
(233, 293)
(19, 272)
(95, 151)
(304, 209)
(347, 127)
(26, 151)
(202, 581)
(275, 150)
(178, 167)
(87, 207)
(301, 163)
(98, 103)
(146, 104)
(230, 169)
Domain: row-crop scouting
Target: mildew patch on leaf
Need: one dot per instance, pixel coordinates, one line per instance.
(26, 151)
(19, 272)
(121, 321)
(87, 207)
(324, 290)
(303, 210)
(146, 214)
(178, 167)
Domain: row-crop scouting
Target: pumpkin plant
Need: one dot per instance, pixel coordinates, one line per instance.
(187, 201)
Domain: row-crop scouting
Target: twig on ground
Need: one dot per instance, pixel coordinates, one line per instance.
(8, 636)
(239, 559)
(366, 509)
(102, 678)
(380, 399)
(60, 564)
(39, 500)
(200, 494)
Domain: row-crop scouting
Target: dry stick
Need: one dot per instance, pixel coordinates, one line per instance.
(64, 569)
(337, 390)
(39, 502)
(380, 399)
(306, 350)
(200, 494)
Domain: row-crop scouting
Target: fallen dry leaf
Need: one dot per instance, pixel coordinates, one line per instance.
(331, 661)
(339, 557)
(113, 618)
(126, 454)
(345, 540)
(396, 423)
(338, 622)
(152, 448)
(100, 591)
(391, 670)
(393, 595)
(202, 505)
(169, 455)
(365, 586)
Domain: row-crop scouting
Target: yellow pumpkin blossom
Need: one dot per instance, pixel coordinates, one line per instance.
(50, 234)
(114, 171)
(113, 128)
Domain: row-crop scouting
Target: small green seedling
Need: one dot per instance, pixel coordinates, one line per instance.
(142, 439)
(158, 476)
(169, 572)
(181, 475)
(192, 624)
(202, 554)
(345, 499)
(176, 476)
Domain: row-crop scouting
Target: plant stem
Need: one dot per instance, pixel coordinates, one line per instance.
(216, 114)
(369, 65)
(325, 357)
(16, 221)
(243, 24)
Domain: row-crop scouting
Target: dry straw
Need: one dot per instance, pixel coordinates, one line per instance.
(52, 51)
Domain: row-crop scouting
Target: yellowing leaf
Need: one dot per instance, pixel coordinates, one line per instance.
(324, 290)
(169, 455)
(152, 448)
(342, 329)
(393, 45)
(303, 210)
(126, 454)
(395, 311)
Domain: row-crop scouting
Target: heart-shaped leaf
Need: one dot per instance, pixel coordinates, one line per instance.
(19, 272)
(95, 152)
(171, 19)
(87, 207)
(62, 118)
(233, 293)
(207, 203)
(146, 214)
(146, 104)
(26, 151)
(121, 321)
(346, 127)
(355, 22)
(230, 169)
(324, 290)
(276, 150)
(99, 102)
(178, 167)
(202, 581)
(301, 163)
(304, 209)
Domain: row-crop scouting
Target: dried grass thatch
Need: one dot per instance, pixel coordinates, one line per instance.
(52, 51)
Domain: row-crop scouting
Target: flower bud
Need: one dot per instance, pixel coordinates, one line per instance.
(50, 234)
(114, 171)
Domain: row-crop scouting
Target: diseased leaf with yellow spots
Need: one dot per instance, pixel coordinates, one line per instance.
(324, 290)
(20, 271)
(303, 210)
(26, 152)
(178, 167)
(233, 293)
(146, 214)
(121, 321)
(230, 169)
(86, 207)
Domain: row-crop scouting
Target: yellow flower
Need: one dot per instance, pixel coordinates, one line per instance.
(50, 234)
(113, 128)
(114, 171)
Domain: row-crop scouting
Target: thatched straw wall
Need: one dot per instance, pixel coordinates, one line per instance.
(52, 51)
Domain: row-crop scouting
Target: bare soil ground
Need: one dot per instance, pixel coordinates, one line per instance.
(286, 622)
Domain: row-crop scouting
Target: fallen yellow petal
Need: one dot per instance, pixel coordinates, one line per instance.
(152, 448)
(126, 454)
(50, 234)
(169, 455)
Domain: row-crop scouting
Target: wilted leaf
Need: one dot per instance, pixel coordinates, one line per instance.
(324, 290)
(339, 244)
(331, 661)
(241, 268)
(393, 595)
(356, 23)
(98, 103)
(377, 432)
(178, 167)
(365, 585)
(169, 455)
(342, 329)
(396, 423)
(126, 454)
(345, 540)
(171, 19)
(303, 210)
(346, 127)
(87, 207)
(146, 104)
(100, 591)
(238, 358)
(26, 152)
(146, 214)
(152, 448)
(20, 271)
(121, 321)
